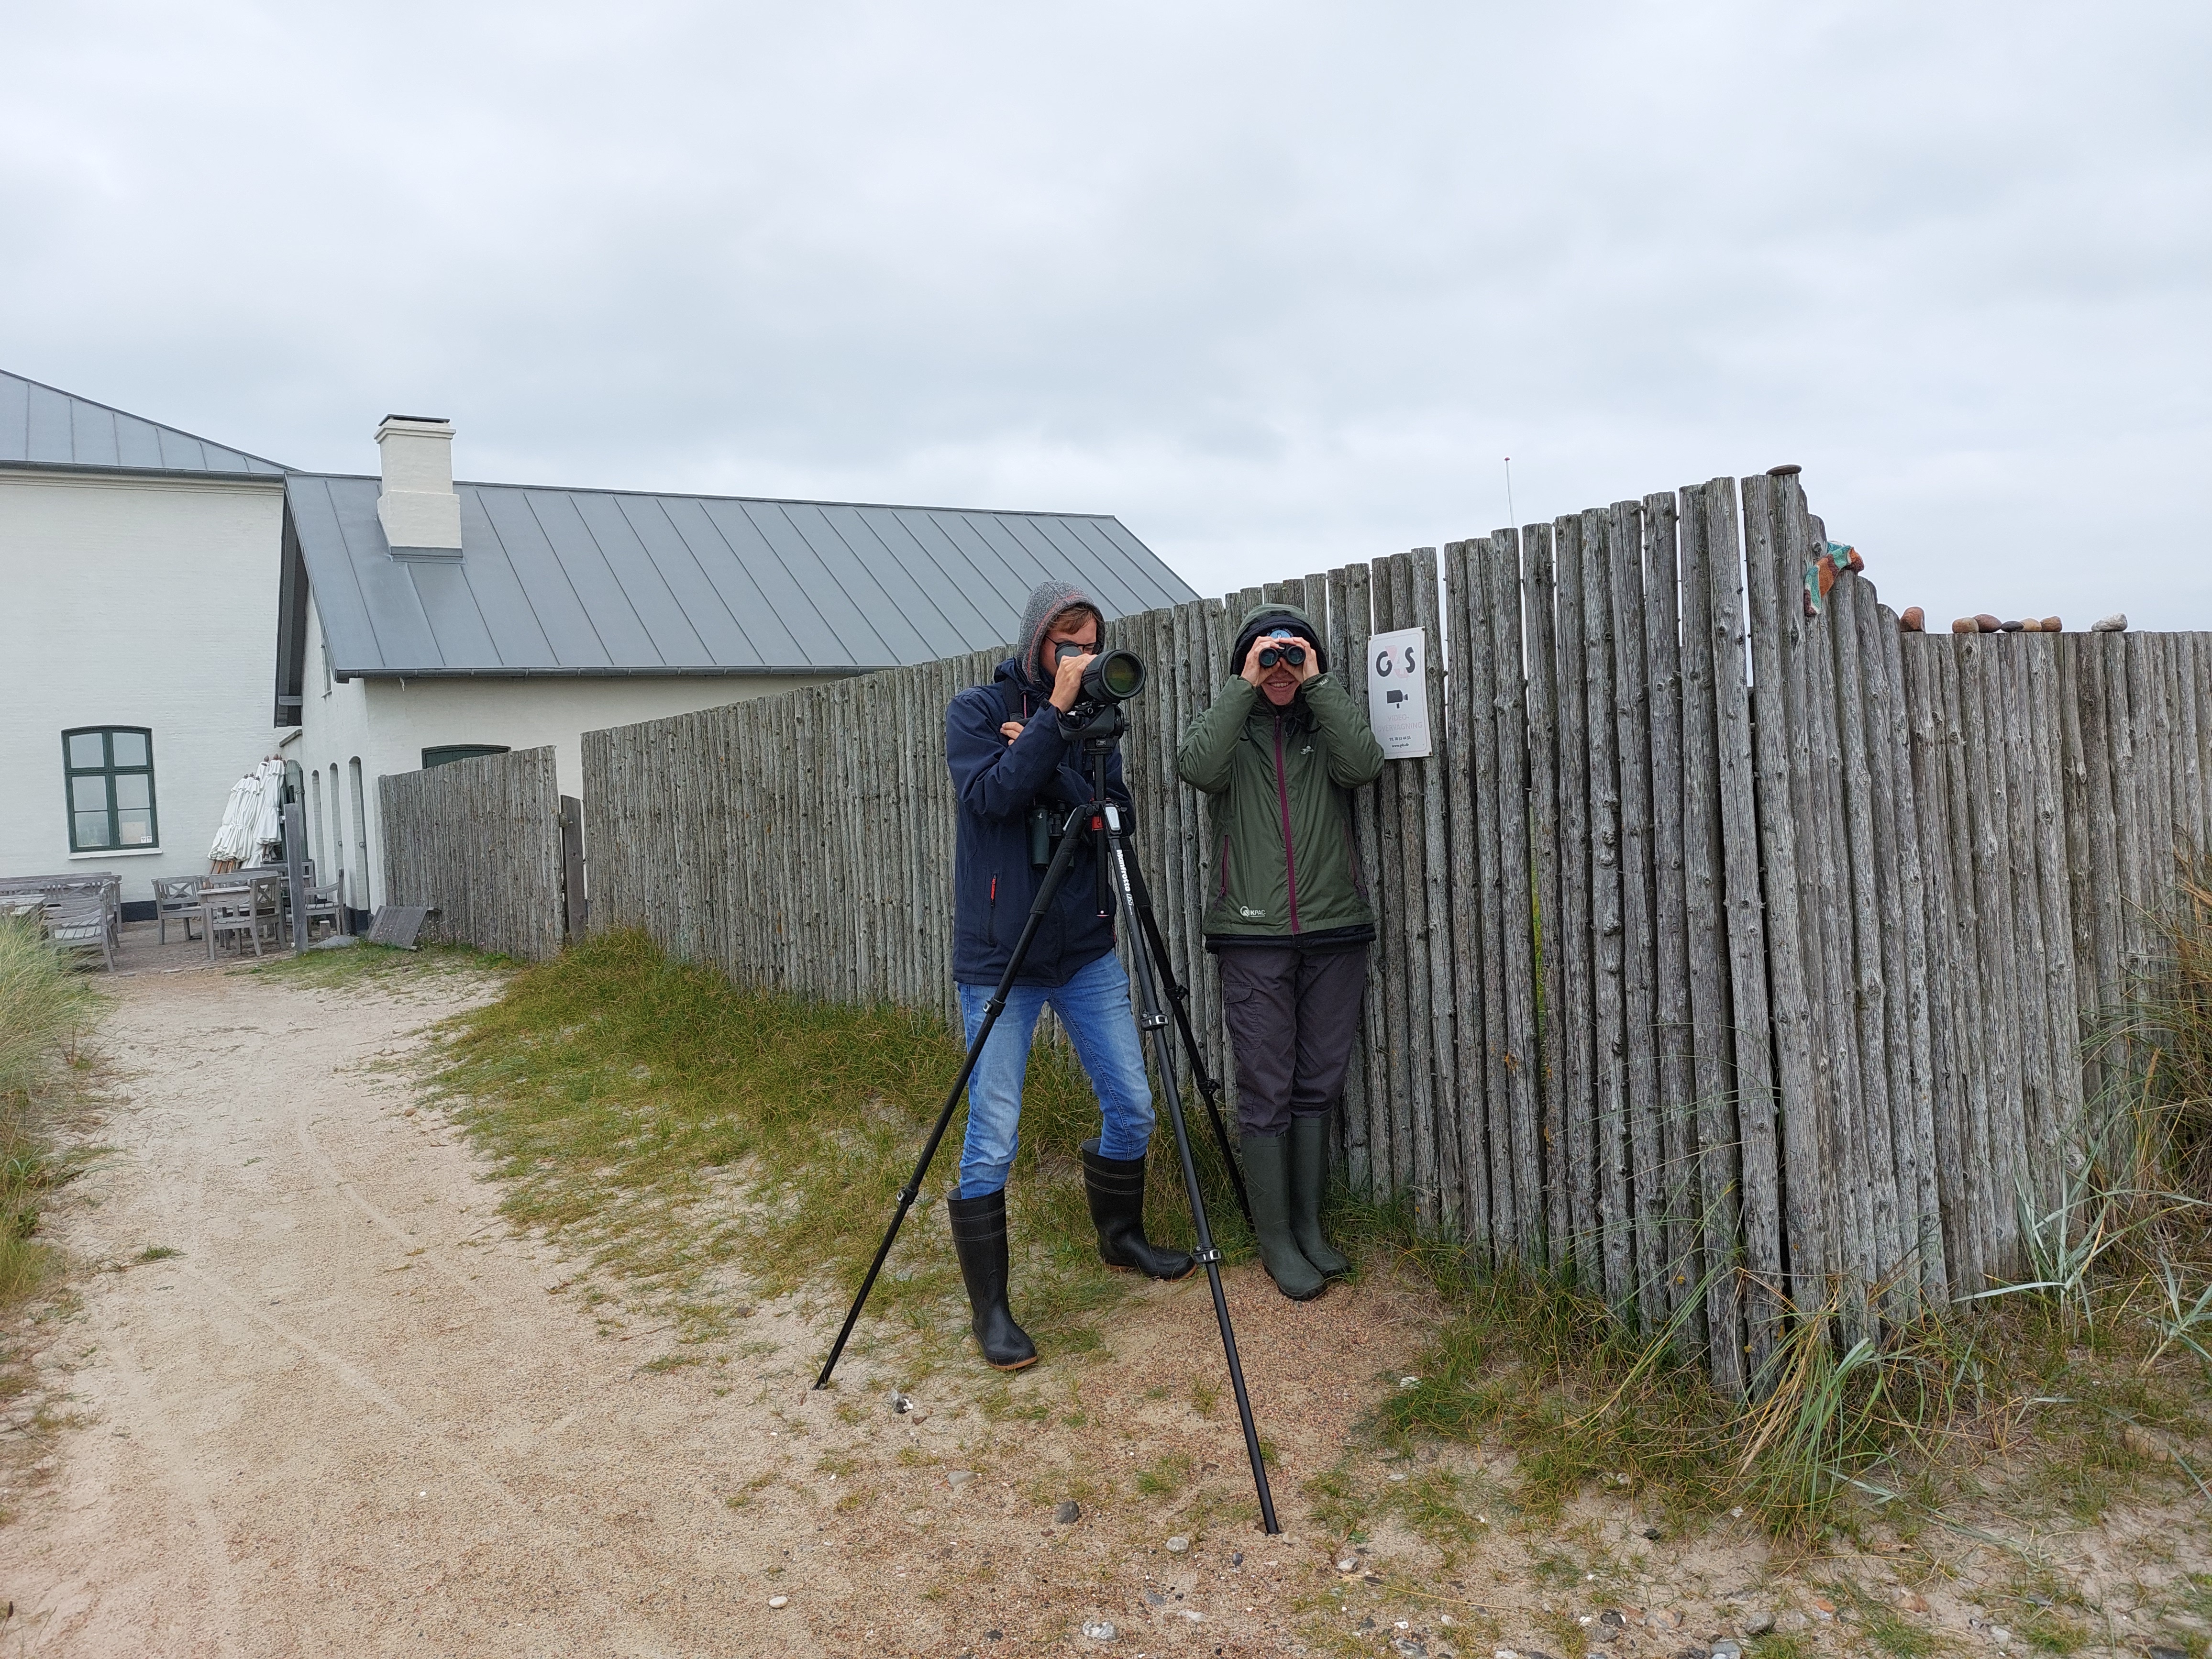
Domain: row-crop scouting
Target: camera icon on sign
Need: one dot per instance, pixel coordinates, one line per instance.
(1393, 695)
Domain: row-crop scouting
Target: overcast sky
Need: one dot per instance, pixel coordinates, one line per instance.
(1280, 285)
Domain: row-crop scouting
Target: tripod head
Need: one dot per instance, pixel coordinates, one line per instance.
(1098, 726)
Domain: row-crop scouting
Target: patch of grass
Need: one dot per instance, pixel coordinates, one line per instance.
(744, 1496)
(355, 964)
(1569, 1636)
(1165, 1476)
(1884, 1626)
(157, 1253)
(708, 1142)
(1440, 1507)
(1537, 1364)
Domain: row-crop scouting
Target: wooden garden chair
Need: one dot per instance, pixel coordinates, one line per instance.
(78, 922)
(177, 896)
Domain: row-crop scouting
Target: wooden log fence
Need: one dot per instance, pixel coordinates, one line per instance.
(479, 841)
(1735, 946)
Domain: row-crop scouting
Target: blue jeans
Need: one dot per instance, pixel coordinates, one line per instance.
(1094, 1006)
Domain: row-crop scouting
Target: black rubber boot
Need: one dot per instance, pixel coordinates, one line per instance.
(1115, 1188)
(1309, 1140)
(979, 1235)
(1267, 1182)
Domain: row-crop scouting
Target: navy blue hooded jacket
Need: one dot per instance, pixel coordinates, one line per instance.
(994, 884)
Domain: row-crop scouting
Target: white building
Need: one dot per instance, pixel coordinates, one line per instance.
(136, 567)
(421, 620)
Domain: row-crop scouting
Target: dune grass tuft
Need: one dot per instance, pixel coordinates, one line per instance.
(45, 1012)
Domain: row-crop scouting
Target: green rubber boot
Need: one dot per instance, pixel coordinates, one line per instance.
(1266, 1182)
(1308, 1160)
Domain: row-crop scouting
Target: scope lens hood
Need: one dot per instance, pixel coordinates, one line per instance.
(1114, 676)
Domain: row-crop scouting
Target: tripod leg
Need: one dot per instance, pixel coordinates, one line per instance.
(1155, 1024)
(1046, 891)
(1179, 1000)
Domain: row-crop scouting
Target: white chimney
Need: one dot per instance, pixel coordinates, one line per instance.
(420, 515)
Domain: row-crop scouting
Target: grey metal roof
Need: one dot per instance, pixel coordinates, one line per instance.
(583, 582)
(41, 426)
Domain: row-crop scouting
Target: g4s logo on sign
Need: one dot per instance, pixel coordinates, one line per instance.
(1398, 693)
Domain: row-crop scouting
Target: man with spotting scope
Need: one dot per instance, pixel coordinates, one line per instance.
(1017, 770)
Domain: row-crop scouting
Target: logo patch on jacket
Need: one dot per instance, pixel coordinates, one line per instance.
(1250, 914)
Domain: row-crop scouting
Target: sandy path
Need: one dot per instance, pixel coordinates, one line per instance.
(350, 1417)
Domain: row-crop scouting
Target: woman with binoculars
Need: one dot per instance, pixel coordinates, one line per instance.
(1280, 753)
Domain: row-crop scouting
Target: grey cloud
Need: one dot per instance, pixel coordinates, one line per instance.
(1280, 285)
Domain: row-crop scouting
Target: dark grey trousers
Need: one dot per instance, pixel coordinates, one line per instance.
(1291, 1019)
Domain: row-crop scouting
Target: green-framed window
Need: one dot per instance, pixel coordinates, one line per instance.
(108, 771)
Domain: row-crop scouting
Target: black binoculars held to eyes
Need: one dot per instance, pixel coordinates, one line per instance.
(1293, 655)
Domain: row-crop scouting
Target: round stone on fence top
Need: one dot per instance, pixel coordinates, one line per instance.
(1966, 625)
(1987, 623)
(2053, 625)
(2030, 625)
(2115, 623)
(1912, 619)
(1787, 470)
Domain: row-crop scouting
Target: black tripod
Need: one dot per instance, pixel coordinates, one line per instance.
(1100, 820)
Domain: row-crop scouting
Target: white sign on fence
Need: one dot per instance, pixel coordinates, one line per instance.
(1398, 693)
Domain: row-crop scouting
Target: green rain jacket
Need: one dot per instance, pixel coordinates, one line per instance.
(1282, 867)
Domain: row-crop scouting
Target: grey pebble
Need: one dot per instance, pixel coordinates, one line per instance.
(961, 1477)
(1068, 1513)
(1759, 1624)
(2115, 623)
(1100, 1630)
(1728, 1648)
